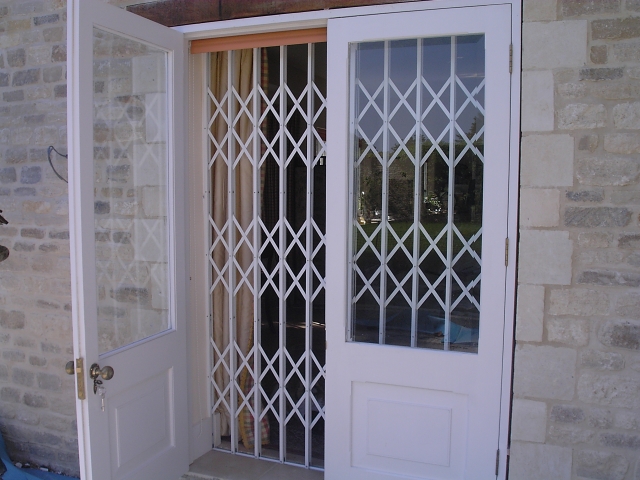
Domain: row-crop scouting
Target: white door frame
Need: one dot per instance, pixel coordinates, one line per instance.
(320, 18)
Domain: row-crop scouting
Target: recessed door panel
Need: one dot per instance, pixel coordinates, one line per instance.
(142, 423)
(409, 431)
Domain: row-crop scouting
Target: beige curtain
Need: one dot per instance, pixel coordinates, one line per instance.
(242, 77)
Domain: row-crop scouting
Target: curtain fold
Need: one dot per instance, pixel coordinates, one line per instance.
(233, 135)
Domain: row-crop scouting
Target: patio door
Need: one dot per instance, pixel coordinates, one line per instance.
(126, 185)
(418, 157)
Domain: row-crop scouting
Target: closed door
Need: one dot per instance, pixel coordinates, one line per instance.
(418, 157)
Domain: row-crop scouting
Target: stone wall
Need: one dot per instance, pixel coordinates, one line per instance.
(576, 409)
(37, 410)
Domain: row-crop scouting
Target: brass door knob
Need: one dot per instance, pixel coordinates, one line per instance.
(70, 367)
(106, 373)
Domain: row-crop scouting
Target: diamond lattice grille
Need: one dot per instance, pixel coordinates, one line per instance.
(267, 222)
(417, 171)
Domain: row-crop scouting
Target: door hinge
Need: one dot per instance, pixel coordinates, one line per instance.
(497, 461)
(506, 252)
(511, 58)
(80, 379)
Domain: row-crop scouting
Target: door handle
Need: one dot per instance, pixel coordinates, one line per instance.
(106, 373)
(95, 372)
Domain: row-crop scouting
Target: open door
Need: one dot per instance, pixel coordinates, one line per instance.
(126, 182)
(418, 153)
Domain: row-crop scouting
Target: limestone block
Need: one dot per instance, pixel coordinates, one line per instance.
(529, 420)
(530, 313)
(578, 302)
(615, 28)
(545, 257)
(626, 240)
(621, 334)
(544, 372)
(561, 434)
(609, 277)
(602, 73)
(598, 54)
(547, 161)
(585, 195)
(542, 462)
(39, 54)
(607, 389)
(589, 217)
(573, 91)
(627, 115)
(624, 143)
(620, 440)
(582, 116)
(539, 207)
(570, 331)
(537, 101)
(601, 464)
(608, 170)
(574, 8)
(539, 10)
(599, 360)
(554, 44)
(627, 420)
(567, 414)
(626, 197)
(629, 305)
(615, 90)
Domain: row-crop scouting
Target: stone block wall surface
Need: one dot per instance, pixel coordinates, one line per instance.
(37, 408)
(576, 408)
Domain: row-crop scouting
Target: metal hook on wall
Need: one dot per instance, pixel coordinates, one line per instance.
(4, 251)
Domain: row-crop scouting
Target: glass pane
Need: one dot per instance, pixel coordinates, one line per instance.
(130, 178)
(417, 159)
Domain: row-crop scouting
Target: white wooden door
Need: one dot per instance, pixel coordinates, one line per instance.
(418, 153)
(126, 181)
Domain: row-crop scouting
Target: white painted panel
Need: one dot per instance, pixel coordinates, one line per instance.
(143, 423)
(409, 431)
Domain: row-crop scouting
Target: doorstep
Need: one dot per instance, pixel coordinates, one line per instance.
(216, 465)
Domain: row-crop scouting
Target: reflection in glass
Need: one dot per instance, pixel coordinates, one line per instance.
(418, 144)
(130, 170)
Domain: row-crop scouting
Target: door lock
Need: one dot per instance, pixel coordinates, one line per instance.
(96, 373)
(77, 368)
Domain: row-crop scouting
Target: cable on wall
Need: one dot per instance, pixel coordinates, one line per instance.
(49, 150)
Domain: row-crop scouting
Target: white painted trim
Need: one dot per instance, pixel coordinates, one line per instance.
(512, 230)
(200, 438)
(319, 18)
